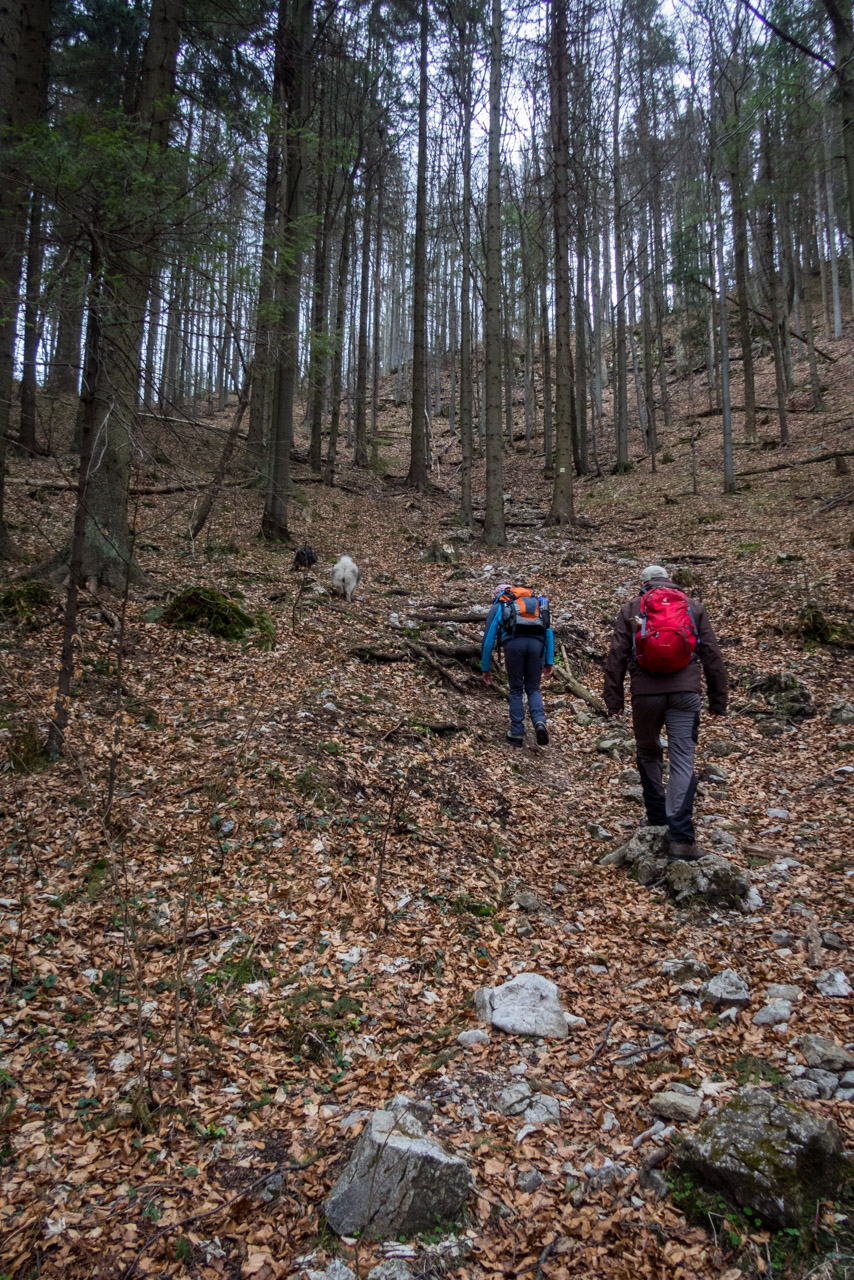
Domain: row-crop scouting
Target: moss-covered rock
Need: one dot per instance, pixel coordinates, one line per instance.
(442, 553)
(204, 609)
(712, 878)
(784, 695)
(765, 1155)
(816, 628)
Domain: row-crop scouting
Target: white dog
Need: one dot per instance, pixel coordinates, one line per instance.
(345, 578)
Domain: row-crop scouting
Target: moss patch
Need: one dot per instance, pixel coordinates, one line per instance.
(204, 609)
(815, 628)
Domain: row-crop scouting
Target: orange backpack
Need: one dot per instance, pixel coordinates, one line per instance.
(523, 612)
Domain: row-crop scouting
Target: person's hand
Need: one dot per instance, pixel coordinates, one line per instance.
(487, 679)
(548, 672)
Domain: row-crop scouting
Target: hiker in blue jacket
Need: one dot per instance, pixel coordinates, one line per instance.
(519, 623)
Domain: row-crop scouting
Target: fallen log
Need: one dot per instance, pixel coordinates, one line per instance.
(436, 666)
(453, 650)
(427, 726)
(450, 617)
(734, 408)
(564, 673)
(137, 491)
(365, 653)
(800, 462)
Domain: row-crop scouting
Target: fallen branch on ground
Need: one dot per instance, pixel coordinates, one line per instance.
(436, 666)
(564, 673)
(211, 1213)
(799, 462)
(365, 653)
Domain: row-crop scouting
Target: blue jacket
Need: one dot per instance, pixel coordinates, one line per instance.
(490, 640)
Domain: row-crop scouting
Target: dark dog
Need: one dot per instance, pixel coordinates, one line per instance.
(304, 557)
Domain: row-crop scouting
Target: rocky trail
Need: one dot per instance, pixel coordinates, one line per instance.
(317, 855)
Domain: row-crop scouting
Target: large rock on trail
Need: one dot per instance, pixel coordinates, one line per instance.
(818, 1051)
(725, 990)
(765, 1155)
(399, 1181)
(712, 878)
(527, 1005)
(646, 854)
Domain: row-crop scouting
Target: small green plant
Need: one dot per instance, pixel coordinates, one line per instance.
(710, 517)
(749, 1069)
(464, 903)
(183, 1249)
(97, 874)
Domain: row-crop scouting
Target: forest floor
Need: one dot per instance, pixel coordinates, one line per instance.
(328, 878)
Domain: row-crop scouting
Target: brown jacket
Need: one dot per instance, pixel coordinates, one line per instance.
(621, 655)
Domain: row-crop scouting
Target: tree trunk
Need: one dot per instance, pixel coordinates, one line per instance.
(274, 522)
(64, 376)
(466, 377)
(806, 293)
(206, 505)
(32, 333)
(417, 477)
(831, 238)
(493, 528)
(375, 355)
(338, 337)
(361, 458)
(265, 328)
(24, 46)
(88, 427)
(729, 477)
(621, 405)
(562, 509)
(839, 13)
(739, 235)
(107, 553)
(545, 336)
(770, 273)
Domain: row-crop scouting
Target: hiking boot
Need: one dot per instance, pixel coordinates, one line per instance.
(681, 852)
(515, 740)
(542, 733)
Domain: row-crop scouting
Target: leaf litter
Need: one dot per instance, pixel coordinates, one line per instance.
(311, 862)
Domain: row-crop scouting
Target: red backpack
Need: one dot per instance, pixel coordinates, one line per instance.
(667, 639)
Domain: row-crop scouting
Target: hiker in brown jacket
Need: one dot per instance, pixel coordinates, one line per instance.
(670, 698)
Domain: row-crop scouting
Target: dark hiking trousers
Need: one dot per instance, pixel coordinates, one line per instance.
(680, 712)
(523, 659)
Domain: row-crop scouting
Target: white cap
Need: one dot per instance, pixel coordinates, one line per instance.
(653, 571)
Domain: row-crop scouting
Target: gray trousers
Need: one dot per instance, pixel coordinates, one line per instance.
(680, 712)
